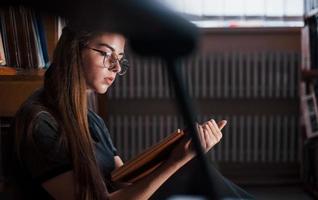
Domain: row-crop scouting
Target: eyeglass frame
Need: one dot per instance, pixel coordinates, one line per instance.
(123, 62)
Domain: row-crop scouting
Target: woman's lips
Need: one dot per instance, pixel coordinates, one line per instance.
(109, 80)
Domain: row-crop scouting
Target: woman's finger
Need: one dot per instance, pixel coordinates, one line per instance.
(209, 131)
(207, 139)
(204, 136)
(209, 135)
(214, 133)
(221, 124)
(200, 132)
(217, 131)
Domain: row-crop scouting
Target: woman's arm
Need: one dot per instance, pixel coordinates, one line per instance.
(209, 135)
(62, 186)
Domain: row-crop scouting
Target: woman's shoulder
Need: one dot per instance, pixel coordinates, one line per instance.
(31, 104)
(34, 114)
(44, 118)
(93, 116)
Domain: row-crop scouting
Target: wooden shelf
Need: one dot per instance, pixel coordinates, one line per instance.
(16, 86)
(309, 74)
(10, 73)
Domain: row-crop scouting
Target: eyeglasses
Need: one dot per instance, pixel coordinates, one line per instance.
(110, 61)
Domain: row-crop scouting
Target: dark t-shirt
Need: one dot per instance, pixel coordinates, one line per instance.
(47, 158)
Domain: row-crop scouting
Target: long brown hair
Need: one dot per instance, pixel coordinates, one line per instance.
(64, 97)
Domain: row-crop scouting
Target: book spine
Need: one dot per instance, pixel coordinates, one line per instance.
(211, 72)
(42, 39)
(285, 137)
(131, 79)
(232, 77)
(263, 73)
(204, 73)
(196, 69)
(293, 129)
(223, 153)
(234, 139)
(241, 72)
(271, 133)
(249, 138)
(124, 90)
(145, 78)
(277, 76)
(189, 77)
(278, 138)
(241, 139)
(263, 134)
(160, 81)
(140, 134)
(166, 83)
(256, 133)
(2, 51)
(248, 80)
(220, 76)
(147, 131)
(226, 76)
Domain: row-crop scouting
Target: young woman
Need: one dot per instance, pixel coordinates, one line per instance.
(62, 150)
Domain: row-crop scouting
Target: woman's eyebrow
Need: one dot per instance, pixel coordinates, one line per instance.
(110, 47)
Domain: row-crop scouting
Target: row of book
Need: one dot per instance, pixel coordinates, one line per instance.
(309, 43)
(22, 38)
(246, 138)
(309, 92)
(214, 75)
(310, 5)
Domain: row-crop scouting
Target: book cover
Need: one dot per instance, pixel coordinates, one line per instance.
(305, 48)
(2, 53)
(146, 162)
(310, 114)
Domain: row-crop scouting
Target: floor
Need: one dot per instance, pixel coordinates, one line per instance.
(278, 193)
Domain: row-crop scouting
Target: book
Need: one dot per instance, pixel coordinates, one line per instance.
(146, 162)
(150, 159)
(305, 48)
(2, 53)
(310, 114)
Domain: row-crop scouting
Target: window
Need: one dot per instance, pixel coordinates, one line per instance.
(233, 13)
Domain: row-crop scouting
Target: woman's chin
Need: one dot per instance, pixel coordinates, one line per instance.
(101, 90)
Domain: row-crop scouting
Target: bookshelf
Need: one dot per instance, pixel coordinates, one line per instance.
(246, 88)
(309, 75)
(308, 95)
(16, 86)
(18, 80)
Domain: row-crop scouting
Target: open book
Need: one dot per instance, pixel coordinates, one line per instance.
(150, 159)
(147, 161)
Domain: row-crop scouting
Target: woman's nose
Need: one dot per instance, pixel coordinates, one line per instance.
(115, 64)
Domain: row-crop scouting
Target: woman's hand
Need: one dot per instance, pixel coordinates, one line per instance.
(209, 134)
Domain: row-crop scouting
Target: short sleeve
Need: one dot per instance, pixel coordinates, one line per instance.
(45, 156)
(109, 140)
(100, 130)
